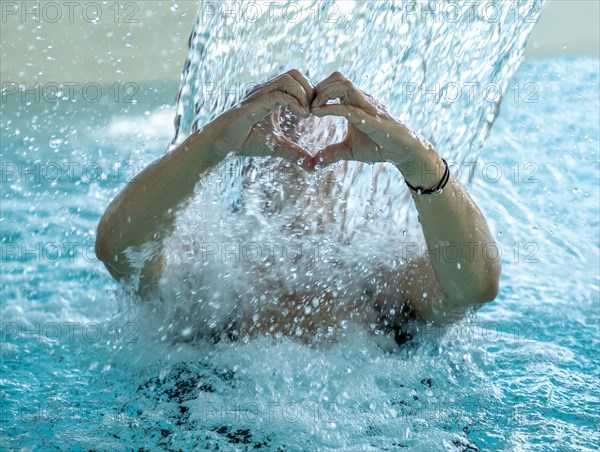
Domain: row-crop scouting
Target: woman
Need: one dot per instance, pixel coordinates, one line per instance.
(438, 290)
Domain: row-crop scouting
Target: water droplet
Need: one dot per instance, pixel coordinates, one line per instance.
(186, 332)
(55, 143)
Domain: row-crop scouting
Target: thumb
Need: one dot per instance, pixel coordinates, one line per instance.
(333, 153)
(294, 153)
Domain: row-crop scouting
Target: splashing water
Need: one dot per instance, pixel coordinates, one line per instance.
(521, 374)
(439, 67)
(443, 74)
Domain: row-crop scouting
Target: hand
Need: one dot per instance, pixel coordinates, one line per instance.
(373, 135)
(251, 128)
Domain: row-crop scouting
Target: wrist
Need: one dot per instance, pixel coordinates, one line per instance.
(205, 145)
(423, 167)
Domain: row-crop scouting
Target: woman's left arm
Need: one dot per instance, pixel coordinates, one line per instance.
(461, 268)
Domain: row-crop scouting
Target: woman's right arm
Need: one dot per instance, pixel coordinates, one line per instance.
(146, 209)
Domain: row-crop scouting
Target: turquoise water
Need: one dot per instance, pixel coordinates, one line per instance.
(521, 375)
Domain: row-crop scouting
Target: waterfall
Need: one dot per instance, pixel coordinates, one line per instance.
(442, 68)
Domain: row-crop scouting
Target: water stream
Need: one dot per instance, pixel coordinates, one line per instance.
(442, 68)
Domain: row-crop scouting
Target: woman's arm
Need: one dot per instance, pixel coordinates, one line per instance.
(461, 254)
(445, 282)
(145, 210)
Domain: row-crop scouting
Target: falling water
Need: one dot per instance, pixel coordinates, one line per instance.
(442, 68)
(522, 375)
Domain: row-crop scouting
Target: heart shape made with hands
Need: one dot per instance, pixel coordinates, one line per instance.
(343, 123)
(334, 119)
(326, 139)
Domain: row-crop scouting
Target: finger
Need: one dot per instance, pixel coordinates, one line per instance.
(263, 105)
(283, 99)
(333, 153)
(295, 84)
(333, 77)
(345, 91)
(339, 87)
(294, 153)
(306, 84)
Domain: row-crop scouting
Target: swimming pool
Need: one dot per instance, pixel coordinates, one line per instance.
(82, 368)
(521, 375)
